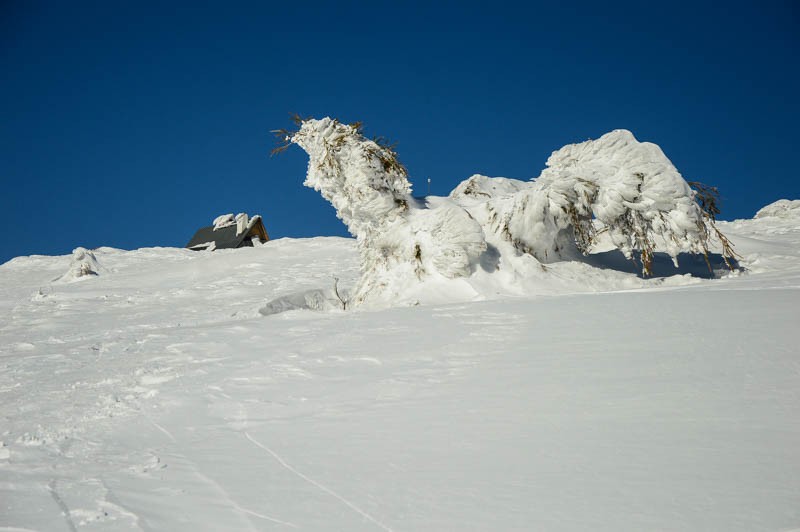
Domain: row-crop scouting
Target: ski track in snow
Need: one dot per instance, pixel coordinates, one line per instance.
(313, 482)
(167, 433)
(233, 504)
(51, 487)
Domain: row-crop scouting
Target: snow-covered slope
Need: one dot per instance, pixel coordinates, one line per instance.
(178, 390)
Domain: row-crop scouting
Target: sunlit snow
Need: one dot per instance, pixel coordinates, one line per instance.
(228, 390)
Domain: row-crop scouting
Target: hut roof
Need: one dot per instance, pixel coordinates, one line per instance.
(230, 235)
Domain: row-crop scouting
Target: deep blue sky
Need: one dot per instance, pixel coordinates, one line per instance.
(132, 124)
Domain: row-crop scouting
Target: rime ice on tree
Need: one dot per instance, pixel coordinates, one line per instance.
(615, 184)
(398, 238)
(83, 264)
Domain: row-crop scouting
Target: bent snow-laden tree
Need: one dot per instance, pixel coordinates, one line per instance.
(614, 184)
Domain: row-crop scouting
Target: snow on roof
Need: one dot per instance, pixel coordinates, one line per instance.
(227, 231)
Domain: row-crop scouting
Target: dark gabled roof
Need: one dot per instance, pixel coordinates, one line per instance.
(224, 237)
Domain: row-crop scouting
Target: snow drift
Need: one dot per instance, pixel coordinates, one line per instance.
(617, 185)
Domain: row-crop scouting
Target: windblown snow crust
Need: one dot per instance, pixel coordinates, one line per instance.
(615, 184)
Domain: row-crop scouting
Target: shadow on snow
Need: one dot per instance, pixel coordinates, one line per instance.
(694, 265)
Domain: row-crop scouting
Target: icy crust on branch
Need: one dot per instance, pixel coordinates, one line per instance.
(361, 179)
(399, 239)
(640, 197)
(614, 184)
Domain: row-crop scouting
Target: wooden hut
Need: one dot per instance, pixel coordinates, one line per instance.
(229, 232)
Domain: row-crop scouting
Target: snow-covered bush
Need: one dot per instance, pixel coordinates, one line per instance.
(783, 208)
(614, 184)
(83, 264)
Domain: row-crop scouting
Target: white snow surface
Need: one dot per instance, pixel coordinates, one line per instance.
(187, 391)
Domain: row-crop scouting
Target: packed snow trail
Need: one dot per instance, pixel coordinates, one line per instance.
(596, 400)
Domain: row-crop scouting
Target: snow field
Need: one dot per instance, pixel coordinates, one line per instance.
(157, 396)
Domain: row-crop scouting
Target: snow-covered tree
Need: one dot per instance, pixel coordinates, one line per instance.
(398, 238)
(615, 184)
(83, 264)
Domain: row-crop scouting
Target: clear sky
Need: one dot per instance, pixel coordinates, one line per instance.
(133, 123)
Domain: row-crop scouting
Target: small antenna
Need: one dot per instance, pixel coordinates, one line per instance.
(429, 186)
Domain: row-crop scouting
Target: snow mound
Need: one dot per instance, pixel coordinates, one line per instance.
(315, 299)
(83, 264)
(626, 188)
(782, 208)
